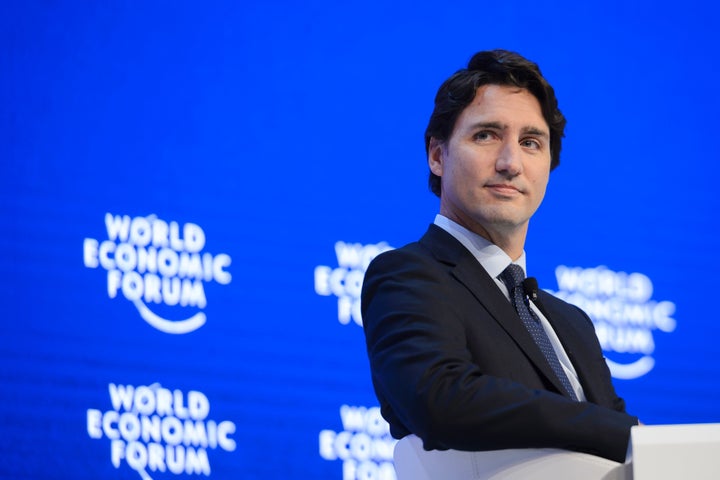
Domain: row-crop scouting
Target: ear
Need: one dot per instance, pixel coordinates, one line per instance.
(436, 156)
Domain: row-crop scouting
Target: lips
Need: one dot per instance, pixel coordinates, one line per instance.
(504, 188)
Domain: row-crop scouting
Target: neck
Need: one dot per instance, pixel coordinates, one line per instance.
(512, 244)
(510, 238)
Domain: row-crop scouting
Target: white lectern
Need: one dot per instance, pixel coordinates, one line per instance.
(671, 452)
(663, 452)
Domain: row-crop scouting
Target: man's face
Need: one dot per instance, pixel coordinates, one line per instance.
(495, 166)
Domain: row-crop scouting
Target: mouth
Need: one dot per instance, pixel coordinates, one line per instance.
(504, 189)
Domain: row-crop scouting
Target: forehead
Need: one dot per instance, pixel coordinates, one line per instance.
(511, 106)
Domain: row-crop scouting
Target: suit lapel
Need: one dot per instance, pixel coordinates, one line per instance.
(570, 336)
(467, 270)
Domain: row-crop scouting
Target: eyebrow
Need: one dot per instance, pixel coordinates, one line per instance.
(535, 131)
(501, 126)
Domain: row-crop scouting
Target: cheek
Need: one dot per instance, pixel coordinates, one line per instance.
(467, 167)
(461, 175)
(540, 183)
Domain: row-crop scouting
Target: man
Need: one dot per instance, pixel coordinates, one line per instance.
(459, 356)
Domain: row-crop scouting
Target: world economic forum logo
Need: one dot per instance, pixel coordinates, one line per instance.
(155, 429)
(158, 264)
(345, 281)
(625, 315)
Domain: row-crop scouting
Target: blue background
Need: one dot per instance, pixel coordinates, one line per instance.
(282, 128)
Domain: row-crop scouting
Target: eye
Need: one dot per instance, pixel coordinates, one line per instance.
(483, 135)
(531, 143)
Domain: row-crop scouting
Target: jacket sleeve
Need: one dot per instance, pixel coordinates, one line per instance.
(430, 384)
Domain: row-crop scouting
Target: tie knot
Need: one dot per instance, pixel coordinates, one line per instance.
(512, 276)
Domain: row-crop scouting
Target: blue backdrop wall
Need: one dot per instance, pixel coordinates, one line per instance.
(190, 194)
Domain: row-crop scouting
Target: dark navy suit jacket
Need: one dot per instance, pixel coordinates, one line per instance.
(452, 363)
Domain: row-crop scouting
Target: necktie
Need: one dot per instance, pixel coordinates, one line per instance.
(513, 276)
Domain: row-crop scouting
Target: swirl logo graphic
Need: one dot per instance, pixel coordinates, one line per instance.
(153, 262)
(625, 316)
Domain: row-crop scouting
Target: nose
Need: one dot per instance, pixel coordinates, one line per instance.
(509, 159)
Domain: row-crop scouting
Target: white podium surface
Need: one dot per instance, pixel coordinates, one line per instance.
(659, 452)
(412, 462)
(671, 452)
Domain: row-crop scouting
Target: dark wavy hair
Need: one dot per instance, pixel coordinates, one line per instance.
(492, 67)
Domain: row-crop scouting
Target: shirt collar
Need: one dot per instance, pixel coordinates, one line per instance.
(492, 258)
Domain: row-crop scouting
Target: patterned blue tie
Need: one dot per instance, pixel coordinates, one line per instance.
(513, 277)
